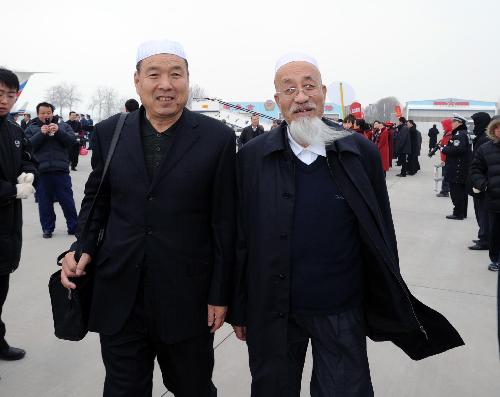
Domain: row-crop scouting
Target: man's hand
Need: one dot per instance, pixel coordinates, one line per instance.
(216, 316)
(72, 269)
(241, 332)
(45, 129)
(53, 128)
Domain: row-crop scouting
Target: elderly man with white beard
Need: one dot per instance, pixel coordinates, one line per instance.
(317, 256)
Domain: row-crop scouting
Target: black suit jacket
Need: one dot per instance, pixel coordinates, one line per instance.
(248, 134)
(183, 220)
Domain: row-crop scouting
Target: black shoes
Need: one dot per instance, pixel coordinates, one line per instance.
(401, 175)
(11, 353)
(47, 234)
(455, 217)
(73, 169)
(479, 247)
(493, 267)
(441, 194)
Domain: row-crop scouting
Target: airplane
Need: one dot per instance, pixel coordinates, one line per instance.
(24, 77)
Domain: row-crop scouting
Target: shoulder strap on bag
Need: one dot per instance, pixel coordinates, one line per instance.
(111, 151)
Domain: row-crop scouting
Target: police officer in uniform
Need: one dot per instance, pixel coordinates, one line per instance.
(458, 157)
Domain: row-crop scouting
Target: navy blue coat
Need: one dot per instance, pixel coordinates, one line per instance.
(183, 220)
(51, 152)
(262, 283)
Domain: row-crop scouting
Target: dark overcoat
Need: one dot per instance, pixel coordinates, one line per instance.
(183, 221)
(265, 174)
(15, 158)
(458, 157)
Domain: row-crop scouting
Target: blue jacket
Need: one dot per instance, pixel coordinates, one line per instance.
(51, 152)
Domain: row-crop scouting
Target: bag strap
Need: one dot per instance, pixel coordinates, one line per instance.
(111, 151)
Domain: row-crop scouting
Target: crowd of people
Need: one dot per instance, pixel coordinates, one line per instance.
(197, 234)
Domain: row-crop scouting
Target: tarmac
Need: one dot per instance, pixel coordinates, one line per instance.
(434, 260)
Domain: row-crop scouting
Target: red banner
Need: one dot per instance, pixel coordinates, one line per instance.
(355, 110)
(397, 110)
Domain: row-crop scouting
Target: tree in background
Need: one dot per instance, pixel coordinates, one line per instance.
(105, 102)
(63, 95)
(195, 91)
(382, 110)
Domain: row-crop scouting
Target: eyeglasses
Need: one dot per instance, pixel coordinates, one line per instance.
(308, 89)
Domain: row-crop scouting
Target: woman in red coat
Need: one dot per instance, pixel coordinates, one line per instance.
(381, 139)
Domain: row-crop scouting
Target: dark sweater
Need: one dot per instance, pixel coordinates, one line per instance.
(326, 265)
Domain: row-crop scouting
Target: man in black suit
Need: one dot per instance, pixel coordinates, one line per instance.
(251, 131)
(168, 206)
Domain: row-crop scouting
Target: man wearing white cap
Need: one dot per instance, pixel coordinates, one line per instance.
(317, 257)
(168, 205)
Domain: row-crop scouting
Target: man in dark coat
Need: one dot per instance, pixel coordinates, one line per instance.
(17, 173)
(416, 144)
(481, 121)
(458, 156)
(51, 142)
(74, 151)
(25, 121)
(317, 256)
(403, 147)
(161, 281)
(433, 134)
(251, 131)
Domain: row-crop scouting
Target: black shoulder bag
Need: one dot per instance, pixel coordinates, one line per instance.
(71, 308)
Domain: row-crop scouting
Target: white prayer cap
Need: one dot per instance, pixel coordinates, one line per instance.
(295, 57)
(155, 47)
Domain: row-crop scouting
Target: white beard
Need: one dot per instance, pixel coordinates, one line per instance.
(308, 131)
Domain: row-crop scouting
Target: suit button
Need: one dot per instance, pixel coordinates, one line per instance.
(149, 231)
(286, 195)
(282, 276)
(151, 198)
(281, 315)
(283, 236)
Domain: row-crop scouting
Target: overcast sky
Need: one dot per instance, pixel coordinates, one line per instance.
(423, 49)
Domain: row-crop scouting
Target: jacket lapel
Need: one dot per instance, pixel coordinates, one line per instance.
(130, 138)
(186, 136)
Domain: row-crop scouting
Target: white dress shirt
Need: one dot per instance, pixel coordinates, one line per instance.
(309, 154)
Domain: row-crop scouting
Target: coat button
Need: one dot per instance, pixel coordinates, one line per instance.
(281, 314)
(151, 198)
(149, 231)
(282, 276)
(283, 236)
(286, 195)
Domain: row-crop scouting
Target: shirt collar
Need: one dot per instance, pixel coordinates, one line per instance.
(297, 149)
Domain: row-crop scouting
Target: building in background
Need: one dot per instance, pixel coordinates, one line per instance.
(429, 112)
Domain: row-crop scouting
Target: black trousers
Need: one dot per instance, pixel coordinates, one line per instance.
(129, 358)
(74, 153)
(4, 289)
(459, 198)
(482, 217)
(494, 241)
(340, 362)
(403, 158)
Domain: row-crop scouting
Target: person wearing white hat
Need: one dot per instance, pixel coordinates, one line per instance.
(168, 205)
(458, 157)
(317, 255)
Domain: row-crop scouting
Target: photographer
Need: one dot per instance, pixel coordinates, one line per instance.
(51, 142)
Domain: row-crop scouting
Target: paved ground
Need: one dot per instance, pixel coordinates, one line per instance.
(435, 262)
